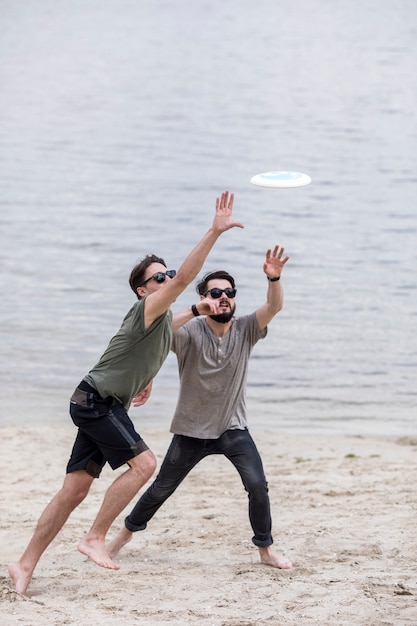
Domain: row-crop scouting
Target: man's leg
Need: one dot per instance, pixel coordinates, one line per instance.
(74, 490)
(239, 447)
(117, 497)
(182, 455)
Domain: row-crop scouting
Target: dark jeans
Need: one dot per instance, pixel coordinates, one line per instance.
(184, 453)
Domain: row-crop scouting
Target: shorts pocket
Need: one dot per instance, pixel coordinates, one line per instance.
(88, 405)
(83, 398)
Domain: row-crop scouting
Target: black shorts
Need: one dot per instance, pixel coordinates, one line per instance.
(105, 432)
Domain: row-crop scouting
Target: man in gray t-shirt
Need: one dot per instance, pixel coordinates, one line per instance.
(210, 417)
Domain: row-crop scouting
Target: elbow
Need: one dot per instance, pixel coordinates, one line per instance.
(276, 305)
(182, 280)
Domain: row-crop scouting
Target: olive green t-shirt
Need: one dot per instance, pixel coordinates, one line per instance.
(133, 357)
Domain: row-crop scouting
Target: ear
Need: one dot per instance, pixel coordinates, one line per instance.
(141, 292)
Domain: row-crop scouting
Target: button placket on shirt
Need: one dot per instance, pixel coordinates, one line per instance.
(219, 350)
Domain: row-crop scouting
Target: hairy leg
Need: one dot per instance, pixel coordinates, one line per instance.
(117, 497)
(74, 490)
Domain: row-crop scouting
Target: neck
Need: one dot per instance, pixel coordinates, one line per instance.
(220, 330)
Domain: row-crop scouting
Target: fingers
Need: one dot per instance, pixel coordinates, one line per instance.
(225, 201)
(276, 254)
(210, 306)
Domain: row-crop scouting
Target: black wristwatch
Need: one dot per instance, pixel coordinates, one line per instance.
(195, 310)
(273, 280)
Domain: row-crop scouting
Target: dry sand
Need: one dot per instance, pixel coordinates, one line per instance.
(344, 510)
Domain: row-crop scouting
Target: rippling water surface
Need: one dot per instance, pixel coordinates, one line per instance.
(119, 125)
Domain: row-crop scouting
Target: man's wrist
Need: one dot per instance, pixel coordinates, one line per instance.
(195, 310)
(274, 278)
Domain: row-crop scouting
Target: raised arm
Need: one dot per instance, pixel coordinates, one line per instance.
(273, 266)
(159, 302)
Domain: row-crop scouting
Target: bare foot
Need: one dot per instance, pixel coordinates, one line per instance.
(20, 577)
(268, 557)
(96, 551)
(121, 539)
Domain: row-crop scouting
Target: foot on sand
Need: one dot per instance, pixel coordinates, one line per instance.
(268, 557)
(96, 551)
(20, 577)
(121, 539)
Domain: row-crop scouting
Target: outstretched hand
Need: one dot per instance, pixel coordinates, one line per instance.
(223, 220)
(274, 262)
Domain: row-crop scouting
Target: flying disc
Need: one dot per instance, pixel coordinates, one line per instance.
(281, 180)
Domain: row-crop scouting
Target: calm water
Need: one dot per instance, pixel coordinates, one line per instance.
(121, 121)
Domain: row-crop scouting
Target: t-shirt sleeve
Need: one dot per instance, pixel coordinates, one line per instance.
(180, 339)
(252, 328)
(134, 319)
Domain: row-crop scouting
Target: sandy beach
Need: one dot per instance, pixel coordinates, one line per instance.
(344, 510)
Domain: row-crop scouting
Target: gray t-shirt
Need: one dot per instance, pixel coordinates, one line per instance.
(213, 372)
(133, 357)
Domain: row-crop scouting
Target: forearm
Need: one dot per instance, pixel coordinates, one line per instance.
(273, 304)
(181, 318)
(195, 260)
(275, 296)
(223, 221)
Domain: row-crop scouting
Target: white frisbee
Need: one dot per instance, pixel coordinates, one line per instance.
(281, 180)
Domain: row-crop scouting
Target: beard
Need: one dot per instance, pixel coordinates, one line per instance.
(223, 318)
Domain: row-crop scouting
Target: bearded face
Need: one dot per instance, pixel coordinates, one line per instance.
(227, 311)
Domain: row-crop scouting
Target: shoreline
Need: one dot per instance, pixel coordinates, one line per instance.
(343, 509)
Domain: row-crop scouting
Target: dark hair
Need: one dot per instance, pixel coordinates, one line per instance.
(137, 275)
(201, 287)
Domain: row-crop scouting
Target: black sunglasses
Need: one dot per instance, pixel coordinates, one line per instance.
(160, 276)
(217, 293)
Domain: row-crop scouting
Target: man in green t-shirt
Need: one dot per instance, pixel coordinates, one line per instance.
(100, 402)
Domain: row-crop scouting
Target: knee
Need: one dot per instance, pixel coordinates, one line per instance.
(144, 465)
(150, 464)
(257, 488)
(74, 492)
(77, 497)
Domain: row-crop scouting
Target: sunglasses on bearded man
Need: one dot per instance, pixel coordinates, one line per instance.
(217, 293)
